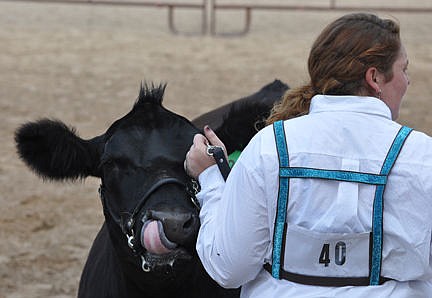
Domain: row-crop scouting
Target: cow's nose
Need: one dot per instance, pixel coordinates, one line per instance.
(179, 226)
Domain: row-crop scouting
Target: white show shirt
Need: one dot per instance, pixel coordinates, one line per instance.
(339, 133)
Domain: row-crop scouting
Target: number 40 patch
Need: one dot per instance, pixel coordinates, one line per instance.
(339, 254)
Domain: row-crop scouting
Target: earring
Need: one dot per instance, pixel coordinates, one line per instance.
(379, 94)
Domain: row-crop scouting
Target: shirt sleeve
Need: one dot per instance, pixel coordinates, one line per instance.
(234, 234)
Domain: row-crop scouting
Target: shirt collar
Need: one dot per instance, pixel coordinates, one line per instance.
(347, 103)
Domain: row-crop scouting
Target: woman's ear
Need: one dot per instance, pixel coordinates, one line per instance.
(372, 78)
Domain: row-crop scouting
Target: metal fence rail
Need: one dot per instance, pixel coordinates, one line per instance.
(171, 6)
(209, 26)
(332, 6)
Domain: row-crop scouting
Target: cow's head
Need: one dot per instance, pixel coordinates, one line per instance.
(149, 211)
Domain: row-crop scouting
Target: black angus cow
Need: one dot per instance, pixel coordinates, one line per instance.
(237, 122)
(146, 246)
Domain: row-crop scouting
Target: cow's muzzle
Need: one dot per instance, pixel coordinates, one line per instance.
(177, 230)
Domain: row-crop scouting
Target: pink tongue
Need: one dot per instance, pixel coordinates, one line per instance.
(151, 239)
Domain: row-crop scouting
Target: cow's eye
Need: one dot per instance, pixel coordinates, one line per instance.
(107, 164)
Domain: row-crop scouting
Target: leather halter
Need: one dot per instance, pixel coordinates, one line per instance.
(127, 226)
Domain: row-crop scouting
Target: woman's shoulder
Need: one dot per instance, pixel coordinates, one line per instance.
(264, 137)
(418, 148)
(420, 138)
(263, 143)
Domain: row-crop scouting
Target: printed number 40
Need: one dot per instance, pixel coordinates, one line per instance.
(340, 254)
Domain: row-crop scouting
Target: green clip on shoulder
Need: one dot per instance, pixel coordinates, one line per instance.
(232, 158)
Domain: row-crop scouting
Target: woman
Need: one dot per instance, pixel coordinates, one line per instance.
(334, 200)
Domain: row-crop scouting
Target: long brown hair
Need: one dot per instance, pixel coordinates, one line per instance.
(339, 59)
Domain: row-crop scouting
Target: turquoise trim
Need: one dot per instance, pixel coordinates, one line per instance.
(334, 175)
(378, 207)
(282, 199)
(281, 144)
(280, 226)
(395, 149)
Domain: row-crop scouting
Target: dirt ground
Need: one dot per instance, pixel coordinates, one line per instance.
(83, 64)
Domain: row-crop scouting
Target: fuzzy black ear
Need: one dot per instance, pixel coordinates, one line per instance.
(54, 151)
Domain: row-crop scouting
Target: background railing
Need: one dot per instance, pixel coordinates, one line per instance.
(208, 24)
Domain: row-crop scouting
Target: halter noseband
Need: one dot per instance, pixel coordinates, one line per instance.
(127, 226)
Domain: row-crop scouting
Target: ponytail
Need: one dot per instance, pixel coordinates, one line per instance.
(294, 103)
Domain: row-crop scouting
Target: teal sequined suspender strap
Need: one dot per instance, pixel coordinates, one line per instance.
(380, 180)
(282, 203)
(378, 207)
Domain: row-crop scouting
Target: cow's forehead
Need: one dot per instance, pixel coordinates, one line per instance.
(141, 146)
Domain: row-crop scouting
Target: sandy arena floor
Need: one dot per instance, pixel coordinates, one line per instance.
(83, 64)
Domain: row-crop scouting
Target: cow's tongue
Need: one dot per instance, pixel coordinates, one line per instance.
(154, 240)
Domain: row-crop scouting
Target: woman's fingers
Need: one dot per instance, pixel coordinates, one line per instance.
(197, 159)
(214, 139)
